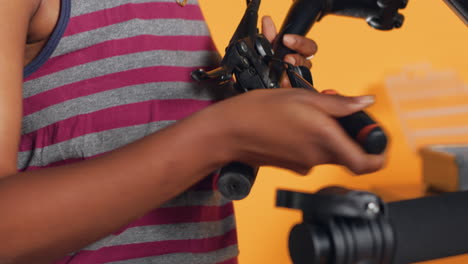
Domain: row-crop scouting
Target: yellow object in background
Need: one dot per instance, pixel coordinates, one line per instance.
(353, 59)
(445, 167)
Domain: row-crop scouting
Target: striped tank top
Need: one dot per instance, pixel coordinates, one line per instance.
(114, 71)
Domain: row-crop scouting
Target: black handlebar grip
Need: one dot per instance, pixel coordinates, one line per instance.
(365, 131)
(235, 180)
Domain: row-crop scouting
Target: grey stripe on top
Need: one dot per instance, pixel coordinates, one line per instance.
(112, 98)
(88, 145)
(186, 258)
(85, 7)
(118, 64)
(131, 28)
(196, 198)
(185, 231)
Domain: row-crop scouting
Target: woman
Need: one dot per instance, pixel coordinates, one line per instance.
(89, 94)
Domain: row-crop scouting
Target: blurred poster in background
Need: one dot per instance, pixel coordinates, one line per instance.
(432, 106)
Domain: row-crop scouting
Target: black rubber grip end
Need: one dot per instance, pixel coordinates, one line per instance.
(376, 141)
(235, 180)
(234, 186)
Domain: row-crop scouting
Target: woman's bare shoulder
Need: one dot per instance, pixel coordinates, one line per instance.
(15, 17)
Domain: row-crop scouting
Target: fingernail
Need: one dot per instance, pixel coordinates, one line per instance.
(289, 40)
(366, 99)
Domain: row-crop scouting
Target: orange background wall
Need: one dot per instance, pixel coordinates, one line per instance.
(353, 59)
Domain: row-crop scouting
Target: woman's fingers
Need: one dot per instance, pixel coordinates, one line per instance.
(300, 44)
(269, 28)
(298, 60)
(337, 105)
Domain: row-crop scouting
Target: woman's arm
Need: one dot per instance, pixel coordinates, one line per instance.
(50, 212)
(14, 21)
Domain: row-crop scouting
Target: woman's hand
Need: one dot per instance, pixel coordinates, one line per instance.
(305, 47)
(294, 129)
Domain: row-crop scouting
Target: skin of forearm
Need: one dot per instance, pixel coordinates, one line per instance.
(50, 212)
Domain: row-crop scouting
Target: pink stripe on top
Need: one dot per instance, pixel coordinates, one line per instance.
(111, 118)
(118, 47)
(140, 250)
(154, 10)
(105, 83)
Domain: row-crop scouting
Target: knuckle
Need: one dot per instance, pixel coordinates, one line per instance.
(304, 172)
(298, 41)
(314, 46)
(292, 101)
(301, 95)
(291, 58)
(309, 161)
(378, 164)
(314, 159)
(361, 171)
(307, 97)
(301, 170)
(357, 164)
(364, 165)
(325, 131)
(303, 164)
(298, 59)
